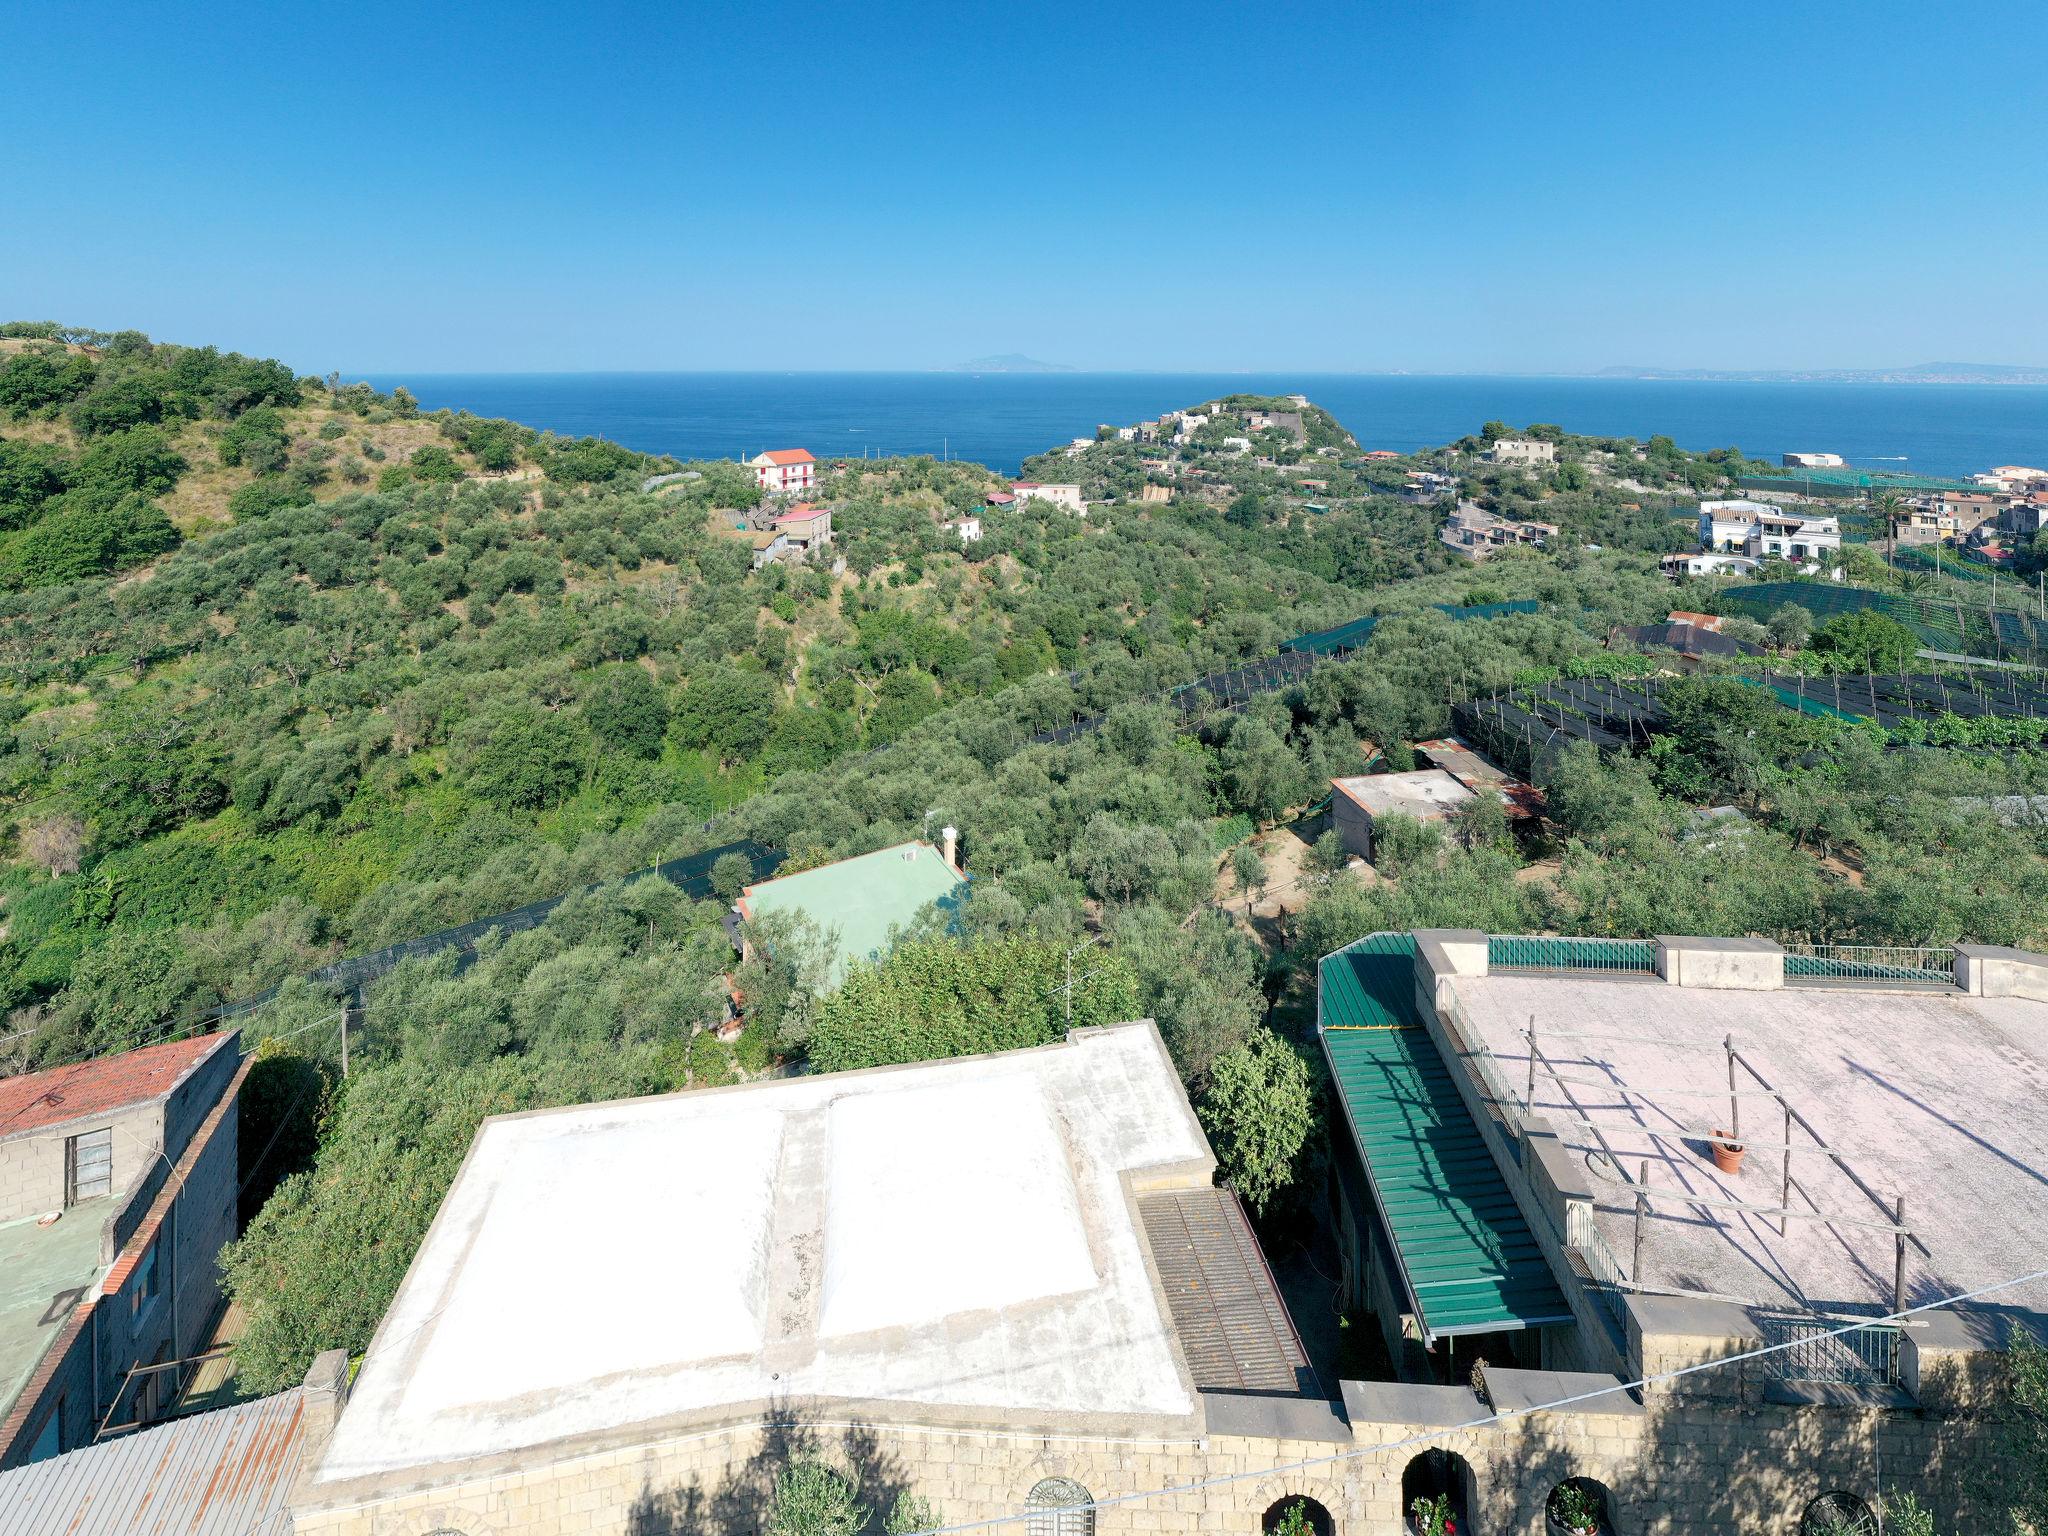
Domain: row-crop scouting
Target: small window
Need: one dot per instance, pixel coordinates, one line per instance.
(147, 1280)
(50, 1438)
(1059, 1506)
(88, 1166)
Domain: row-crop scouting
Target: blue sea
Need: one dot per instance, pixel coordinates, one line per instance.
(998, 419)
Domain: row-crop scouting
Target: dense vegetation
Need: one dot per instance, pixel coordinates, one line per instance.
(351, 716)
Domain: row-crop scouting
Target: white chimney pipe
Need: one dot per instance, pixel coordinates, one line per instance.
(951, 841)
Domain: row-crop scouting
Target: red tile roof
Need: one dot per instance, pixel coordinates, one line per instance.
(37, 1099)
(789, 456)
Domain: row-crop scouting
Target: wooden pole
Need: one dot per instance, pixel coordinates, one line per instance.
(1642, 1204)
(1899, 1258)
(1734, 1102)
(1531, 1097)
(1785, 1183)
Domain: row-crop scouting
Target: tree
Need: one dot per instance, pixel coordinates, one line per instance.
(1327, 856)
(519, 757)
(1789, 626)
(1258, 1112)
(1401, 843)
(435, 463)
(55, 842)
(1248, 870)
(625, 711)
(811, 1499)
(1482, 821)
(731, 873)
(1866, 641)
(728, 708)
(85, 540)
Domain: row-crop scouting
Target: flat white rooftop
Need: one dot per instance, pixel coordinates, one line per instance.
(953, 1239)
(1937, 1096)
(1426, 794)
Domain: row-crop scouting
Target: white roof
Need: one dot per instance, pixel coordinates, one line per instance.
(953, 1235)
(1426, 794)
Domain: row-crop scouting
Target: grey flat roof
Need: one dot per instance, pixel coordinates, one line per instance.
(1936, 1096)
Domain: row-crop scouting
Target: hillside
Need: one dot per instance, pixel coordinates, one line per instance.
(355, 715)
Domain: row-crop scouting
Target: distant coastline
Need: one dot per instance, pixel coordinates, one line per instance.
(1918, 373)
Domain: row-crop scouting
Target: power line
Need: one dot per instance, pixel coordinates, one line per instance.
(1499, 1416)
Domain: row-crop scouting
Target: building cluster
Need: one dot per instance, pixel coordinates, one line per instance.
(1472, 531)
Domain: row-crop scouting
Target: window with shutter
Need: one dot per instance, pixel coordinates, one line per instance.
(1059, 1506)
(88, 1165)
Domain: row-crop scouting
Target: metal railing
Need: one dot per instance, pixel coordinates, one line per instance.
(1896, 964)
(1863, 1357)
(1526, 952)
(1610, 1275)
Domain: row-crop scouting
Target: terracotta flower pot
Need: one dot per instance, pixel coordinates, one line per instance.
(1728, 1155)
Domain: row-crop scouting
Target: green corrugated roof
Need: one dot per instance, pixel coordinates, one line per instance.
(1470, 1261)
(857, 901)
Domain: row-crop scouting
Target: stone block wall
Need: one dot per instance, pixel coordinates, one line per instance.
(1673, 1468)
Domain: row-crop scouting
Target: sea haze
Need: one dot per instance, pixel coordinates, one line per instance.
(999, 419)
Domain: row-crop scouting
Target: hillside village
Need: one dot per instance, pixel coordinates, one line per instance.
(452, 868)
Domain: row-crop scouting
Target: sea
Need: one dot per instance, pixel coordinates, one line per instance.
(998, 419)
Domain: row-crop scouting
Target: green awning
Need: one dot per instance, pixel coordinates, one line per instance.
(1467, 1257)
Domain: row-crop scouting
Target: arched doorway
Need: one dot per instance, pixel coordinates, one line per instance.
(1578, 1506)
(1438, 1482)
(1297, 1515)
(1059, 1506)
(1838, 1513)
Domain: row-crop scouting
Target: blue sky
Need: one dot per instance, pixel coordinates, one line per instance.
(1432, 185)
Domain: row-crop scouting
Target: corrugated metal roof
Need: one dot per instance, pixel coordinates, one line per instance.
(1468, 1258)
(1233, 1326)
(224, 1473)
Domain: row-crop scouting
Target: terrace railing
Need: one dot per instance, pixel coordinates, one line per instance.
(1523, 952)
(1901, 965)
(1863, 1357)
(1610, 1275)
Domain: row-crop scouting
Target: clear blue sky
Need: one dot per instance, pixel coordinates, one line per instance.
(1432, 185)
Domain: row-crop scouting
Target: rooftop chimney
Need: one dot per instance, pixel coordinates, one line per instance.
(950, 843)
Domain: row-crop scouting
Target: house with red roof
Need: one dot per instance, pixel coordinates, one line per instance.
(785, 471)
(806, 526)
(118, 1185)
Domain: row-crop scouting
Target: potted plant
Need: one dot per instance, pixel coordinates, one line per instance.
(1728, 1152)
(1574, 1511)
(1432, 1516)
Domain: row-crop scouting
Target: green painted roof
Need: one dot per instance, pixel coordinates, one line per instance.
(857, 901)
(1470, 1262)
(36, 1264)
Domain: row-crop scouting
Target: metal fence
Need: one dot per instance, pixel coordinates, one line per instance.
(1523, 952)
(1610, 1275)
(1863, 1357)
(1868, 964)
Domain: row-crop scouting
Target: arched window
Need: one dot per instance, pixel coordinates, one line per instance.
(1297, 1515)
(1435, 1486)
(1059, 1506)
(1838, 1513)
(1579, 1506)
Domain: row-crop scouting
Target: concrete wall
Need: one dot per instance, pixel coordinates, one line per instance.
(1991, 970)
(32, 1164)
(187, 1219)
(1354, 825)
(1750, 965)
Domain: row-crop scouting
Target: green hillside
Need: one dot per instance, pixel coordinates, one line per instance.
(312, 713)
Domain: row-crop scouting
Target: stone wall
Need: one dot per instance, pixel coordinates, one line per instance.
(1673, 1467)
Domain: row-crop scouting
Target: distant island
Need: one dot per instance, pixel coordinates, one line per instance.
(1007, 362)
(1918, 373)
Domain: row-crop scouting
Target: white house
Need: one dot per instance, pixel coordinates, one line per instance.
(1066, 497)
(1678, 567)
(969, 529)
(784, 471)
(1522, 450)
(1813, 461)
(1792, 537)
(1725, 525)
